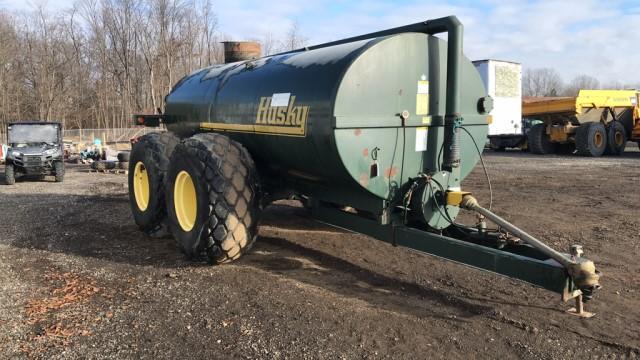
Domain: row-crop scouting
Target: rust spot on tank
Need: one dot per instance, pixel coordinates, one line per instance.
(364, 180)
(365, 152)
(390, 172)
(357, 132)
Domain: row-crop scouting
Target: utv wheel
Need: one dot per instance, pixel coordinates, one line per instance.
(213, 198)
(148, 165)
(58, 167)
(538, 140)
(9, 174)
(591, 139)
(616, 138)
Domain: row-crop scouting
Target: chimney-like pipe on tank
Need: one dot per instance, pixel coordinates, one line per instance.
(452, 119)
(240, 51)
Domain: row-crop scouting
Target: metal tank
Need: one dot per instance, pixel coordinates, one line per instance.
(362, 117)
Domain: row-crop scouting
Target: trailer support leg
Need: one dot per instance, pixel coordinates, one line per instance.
(579, 309)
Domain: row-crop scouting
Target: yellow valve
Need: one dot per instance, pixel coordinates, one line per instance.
(454, 198)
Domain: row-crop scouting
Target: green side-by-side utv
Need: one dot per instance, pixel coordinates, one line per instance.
(35, 149)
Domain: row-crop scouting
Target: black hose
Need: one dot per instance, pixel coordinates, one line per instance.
(451, 157)
(484, 168)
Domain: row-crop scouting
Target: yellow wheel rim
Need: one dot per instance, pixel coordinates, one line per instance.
(598, 139)
(185, 201)
(141, 186)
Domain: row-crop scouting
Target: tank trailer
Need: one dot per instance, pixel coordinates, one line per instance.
(374, 133)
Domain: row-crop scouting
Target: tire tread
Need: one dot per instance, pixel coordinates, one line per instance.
(230, 175)
(159, 146)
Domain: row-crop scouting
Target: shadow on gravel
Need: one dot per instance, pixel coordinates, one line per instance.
(326, 271)
(98, 226)
(101, 227)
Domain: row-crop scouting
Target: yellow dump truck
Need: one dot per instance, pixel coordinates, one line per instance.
(594, 123)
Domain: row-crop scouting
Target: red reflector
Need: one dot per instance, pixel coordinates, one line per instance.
(140, 120)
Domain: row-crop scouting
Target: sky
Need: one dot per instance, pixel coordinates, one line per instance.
(596, 38)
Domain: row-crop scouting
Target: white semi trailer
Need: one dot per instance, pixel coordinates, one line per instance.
(503, 81)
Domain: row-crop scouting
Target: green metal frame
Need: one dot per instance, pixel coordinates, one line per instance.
(520, 262)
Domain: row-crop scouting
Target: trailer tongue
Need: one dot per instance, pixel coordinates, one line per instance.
(374, 133)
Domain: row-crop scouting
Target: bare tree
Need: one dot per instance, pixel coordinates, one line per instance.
(617, 85)
(10, 70)
(294, 38)
(581, 82)
(541, 82)
(99, 61)
(269, 44)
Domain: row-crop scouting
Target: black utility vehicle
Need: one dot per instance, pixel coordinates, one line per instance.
(35, 148)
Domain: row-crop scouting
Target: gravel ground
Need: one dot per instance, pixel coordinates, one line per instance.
(77, 279)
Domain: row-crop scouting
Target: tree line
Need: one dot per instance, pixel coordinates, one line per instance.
(539, 82)
(99, 61)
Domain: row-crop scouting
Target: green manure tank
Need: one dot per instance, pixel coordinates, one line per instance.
(373, 133)
(363, 117)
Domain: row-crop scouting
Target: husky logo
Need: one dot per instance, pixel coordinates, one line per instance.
(277, 115)
(287, 118)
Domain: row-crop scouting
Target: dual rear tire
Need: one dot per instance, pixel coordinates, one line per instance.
(148, 166)
(591, 139)
(616, 138)
(594, 139)
(207, 195)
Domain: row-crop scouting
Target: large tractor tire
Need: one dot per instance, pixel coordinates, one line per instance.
(213, 198)
(591, 139)
(9, 174)
(616, 138)
(58, 167)
(148, 165)
(538, 140)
